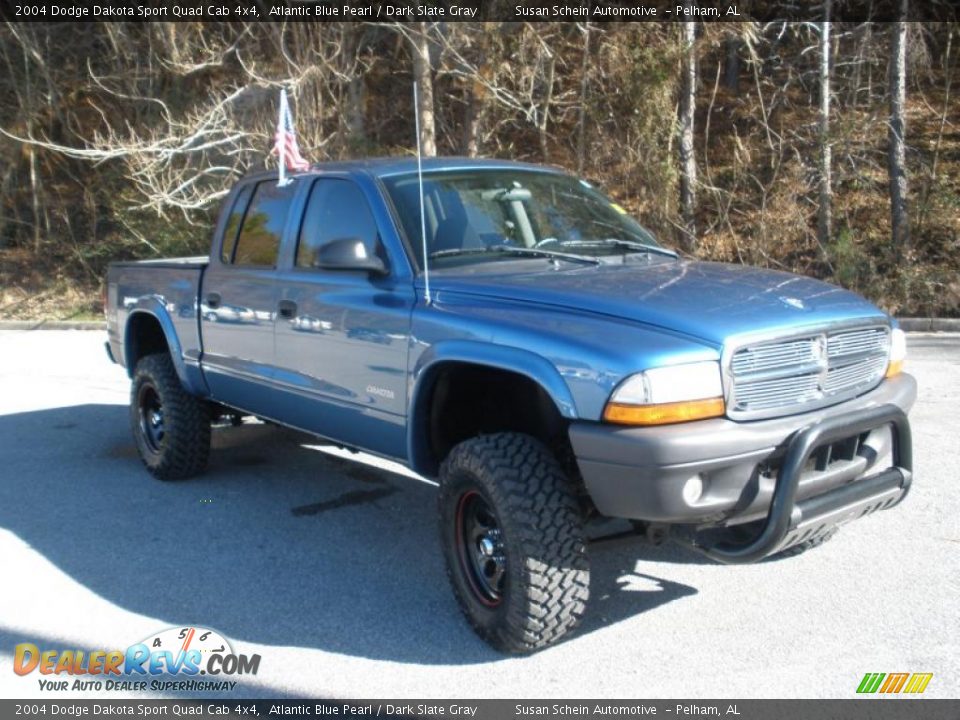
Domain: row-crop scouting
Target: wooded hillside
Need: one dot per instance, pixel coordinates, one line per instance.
(830, 149)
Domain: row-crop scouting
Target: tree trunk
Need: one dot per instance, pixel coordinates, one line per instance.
(471, 124)
(424, 77)
(5, 186)
(356, 95)
(547, 102)
(584, 87)
(896, 158)
(688, 162)
(356, 102)
(32, 154)
(824, 212)
(731, 71)
(475, 109)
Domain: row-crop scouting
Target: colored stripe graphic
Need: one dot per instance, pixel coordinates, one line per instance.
(894, 682)
(870, 682)
(918, 683)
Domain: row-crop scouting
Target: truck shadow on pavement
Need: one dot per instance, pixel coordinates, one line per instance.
(278, 544)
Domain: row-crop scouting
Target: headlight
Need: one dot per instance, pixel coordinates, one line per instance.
(668, 395)
(898, 352)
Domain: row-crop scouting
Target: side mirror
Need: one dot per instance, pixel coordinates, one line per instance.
(348, 254)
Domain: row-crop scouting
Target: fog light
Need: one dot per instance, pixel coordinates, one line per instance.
(692, 489)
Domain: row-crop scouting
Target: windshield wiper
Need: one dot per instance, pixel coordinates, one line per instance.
(628, 244)
(515, 250)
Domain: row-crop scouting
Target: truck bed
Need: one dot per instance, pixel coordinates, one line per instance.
(168, 288)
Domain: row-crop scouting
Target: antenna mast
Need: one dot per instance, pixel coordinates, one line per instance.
(423, 217)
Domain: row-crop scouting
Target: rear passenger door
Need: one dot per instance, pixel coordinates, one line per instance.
(239, 295)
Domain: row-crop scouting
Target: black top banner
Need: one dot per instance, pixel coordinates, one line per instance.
(477, 10)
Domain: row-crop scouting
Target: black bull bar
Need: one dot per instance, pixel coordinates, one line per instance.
(783, 523)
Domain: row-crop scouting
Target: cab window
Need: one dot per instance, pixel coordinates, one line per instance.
(233, 224)
(258, 243)
(336, 209)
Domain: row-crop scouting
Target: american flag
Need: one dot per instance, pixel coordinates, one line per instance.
(286, 140)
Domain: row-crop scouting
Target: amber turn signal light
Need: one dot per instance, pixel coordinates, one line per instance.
(898, 352)
(894, 368)
(665, 413)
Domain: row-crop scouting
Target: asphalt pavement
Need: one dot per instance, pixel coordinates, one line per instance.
(330, 569)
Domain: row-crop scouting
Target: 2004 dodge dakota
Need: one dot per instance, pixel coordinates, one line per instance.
(555, 364)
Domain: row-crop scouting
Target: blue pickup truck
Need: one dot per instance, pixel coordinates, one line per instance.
(555, 364)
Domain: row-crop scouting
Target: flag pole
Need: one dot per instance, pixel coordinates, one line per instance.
(282, 176)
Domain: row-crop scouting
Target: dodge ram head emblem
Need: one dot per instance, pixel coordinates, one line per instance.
(820, 350)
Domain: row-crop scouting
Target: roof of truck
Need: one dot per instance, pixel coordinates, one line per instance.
(385, 166)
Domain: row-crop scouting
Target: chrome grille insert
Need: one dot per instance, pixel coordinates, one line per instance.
(795, 374)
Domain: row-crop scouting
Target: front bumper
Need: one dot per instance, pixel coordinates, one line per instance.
(741, 468)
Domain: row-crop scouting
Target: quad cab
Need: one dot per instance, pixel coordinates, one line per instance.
(564, 366)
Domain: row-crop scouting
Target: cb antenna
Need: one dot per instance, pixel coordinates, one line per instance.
(423, 216)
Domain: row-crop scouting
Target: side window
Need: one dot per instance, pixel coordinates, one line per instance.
(336, 209)
(259, 239)
(233, 224)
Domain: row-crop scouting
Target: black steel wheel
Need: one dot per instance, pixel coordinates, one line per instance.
(512, 535)
(171, 428)
(150, 409)
(480, 548)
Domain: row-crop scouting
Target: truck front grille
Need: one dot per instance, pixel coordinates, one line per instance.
(796, 374)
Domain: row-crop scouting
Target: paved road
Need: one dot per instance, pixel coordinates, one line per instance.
(330, 569)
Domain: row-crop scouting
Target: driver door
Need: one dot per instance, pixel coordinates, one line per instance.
(342, 336)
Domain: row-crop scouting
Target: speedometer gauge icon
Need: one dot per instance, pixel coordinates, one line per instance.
(181, 639)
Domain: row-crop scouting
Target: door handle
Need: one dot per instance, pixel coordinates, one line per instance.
(287, 308)
(213, 300)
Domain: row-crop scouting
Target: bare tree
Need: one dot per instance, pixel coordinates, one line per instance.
(464, 55)
(355, 95)
(544, 113)
(474, 103)
(104, 130)
(824, 211)
(584, 88)
(896, 154)
(518, 79)
(183, 158)
(423, 75)
(688, 161)
(731, 75)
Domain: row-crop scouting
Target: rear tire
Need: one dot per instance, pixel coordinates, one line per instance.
(512, 536)
(170, 426)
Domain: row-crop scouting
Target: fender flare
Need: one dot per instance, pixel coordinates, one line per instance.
(501, 357)
(153, 307)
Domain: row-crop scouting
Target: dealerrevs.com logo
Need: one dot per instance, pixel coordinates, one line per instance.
(169, 660)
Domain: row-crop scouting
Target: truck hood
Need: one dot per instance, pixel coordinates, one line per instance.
(709, 301)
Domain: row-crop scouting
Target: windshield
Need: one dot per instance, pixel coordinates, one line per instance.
(468, 212)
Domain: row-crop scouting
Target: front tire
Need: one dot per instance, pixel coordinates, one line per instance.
(170, 427)
(513, 540)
